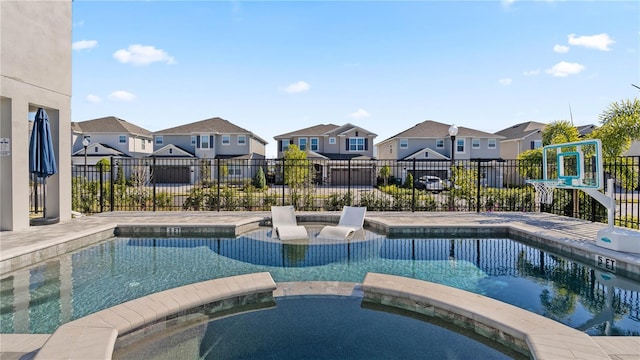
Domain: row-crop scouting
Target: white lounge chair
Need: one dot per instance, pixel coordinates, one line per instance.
(283, 220)
(351, 220)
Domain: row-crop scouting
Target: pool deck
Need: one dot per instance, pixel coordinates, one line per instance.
(568, 235)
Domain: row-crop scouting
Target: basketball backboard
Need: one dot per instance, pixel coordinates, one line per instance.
(574, 165)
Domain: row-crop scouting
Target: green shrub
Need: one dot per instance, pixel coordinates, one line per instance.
(259, 180)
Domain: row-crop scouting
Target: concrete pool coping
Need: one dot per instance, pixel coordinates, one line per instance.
(571, 236)
(532, 335)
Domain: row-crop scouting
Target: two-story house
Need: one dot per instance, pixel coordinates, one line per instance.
(107, 137)
(206, 144)
(341, 154)
(428, 149)
(520, 138)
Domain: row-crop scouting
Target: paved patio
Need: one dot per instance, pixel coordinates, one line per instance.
(21, 248)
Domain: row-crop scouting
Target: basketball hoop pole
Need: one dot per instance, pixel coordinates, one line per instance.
(608, 200)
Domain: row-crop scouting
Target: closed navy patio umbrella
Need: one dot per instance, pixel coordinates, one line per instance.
(42, 161)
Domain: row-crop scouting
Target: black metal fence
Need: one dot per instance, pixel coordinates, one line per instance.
(157, 184)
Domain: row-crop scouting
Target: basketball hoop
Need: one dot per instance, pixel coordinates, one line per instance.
(544, 190)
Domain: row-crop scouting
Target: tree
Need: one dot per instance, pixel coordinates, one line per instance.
(620, 126)
(408, 181)
(558, 132)
(103, 164)
(530, 164)
(205, 171)
(259, 181)
(296, 170)
(385, 172)
(530, 161)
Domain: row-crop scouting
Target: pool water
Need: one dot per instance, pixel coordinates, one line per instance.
(41, 298)
(326, 327)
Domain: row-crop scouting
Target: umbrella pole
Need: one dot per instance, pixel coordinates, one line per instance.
(35, 193)
(44, 197)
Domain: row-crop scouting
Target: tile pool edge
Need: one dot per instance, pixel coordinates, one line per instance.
(527, 333)
(94, 336)
(627, 264)
(20, 257)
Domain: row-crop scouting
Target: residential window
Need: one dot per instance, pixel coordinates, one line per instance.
(475, 143)
(194, 140)
(535, 144)
(302, 143)
(332, 140)
(440, 143)
(122, 139)
(356, 144)
(226, 139)
(314, 144)
(242, 139)
(404, 143)
(492, 143)
(204, 141)
(159, 140)
(143, 144)
(460, 145)
(235, 170)
(285, 144)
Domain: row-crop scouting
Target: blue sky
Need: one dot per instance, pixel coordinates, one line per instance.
(274, 67)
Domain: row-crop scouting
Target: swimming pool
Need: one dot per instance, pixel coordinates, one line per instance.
(325, 327)
(39, 299)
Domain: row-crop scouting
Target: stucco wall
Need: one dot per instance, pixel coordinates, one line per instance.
(35, 71)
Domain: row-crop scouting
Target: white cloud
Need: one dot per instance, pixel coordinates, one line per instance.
(121, 95)
(564, 69)
(360, 114)
(531, 72)
(505, 81)
(298, 87)
(142, 55)
(598, 42)
(507, 3)
(561, 49)
(94, 99)
(84, 44)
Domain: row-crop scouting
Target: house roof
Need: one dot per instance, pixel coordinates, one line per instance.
(236, 157)
(110, 124)
(348, 127)
(182, 152)
(322, 130)
(332, 156)
(317, 130)
(433, 155)
(103, 150)
(213, 125)
(436, 130)
(584, 130)
(521, 130)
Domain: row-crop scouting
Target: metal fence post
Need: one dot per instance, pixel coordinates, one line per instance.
(349, 182)
(413, 187)
(218, 183)
(153, 180)
(101, 182)
(478, 188)
(283, 181)
(111, 186)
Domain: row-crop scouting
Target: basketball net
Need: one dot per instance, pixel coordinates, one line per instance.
(544, 190)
